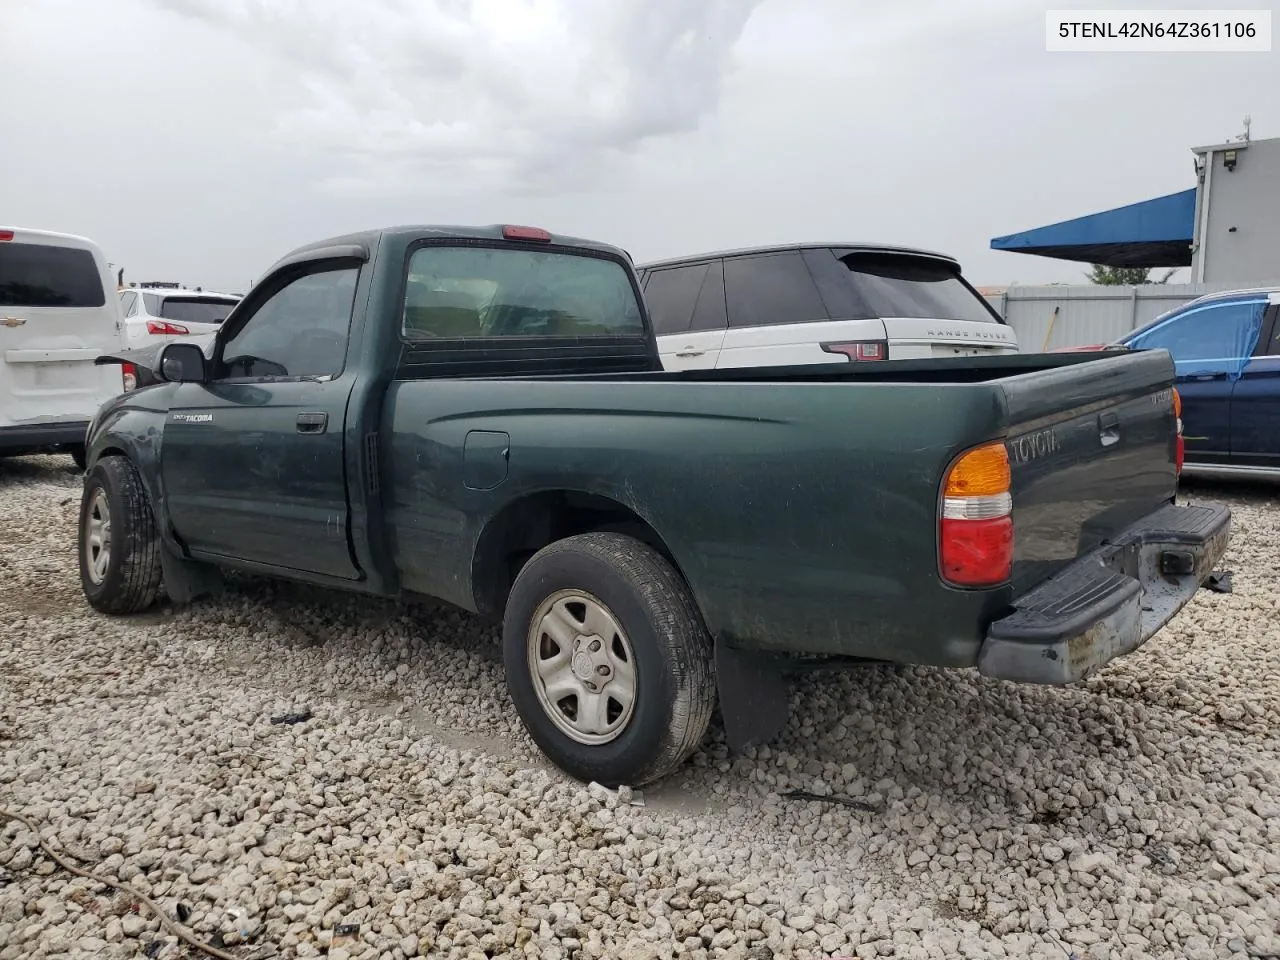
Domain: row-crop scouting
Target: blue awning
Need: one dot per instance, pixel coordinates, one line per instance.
(1153, 233)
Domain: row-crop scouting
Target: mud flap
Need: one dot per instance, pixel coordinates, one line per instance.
(753, 697)
(186, 580)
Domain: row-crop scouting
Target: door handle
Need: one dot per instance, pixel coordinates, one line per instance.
(312, 422)
(1207, 376)
(690, 352)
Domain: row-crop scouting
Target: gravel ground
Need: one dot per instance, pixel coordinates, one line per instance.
(1137, 815)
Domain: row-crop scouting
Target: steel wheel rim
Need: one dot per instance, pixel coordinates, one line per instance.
(97, 537)
(582, 667)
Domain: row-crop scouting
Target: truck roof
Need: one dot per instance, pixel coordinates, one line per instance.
(787, 247)
(369, 239)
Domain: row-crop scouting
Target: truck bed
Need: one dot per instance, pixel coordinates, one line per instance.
(800, 503)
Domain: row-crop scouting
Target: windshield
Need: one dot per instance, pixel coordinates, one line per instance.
(474, 291)
(893, 285)
(196, 310)
(38, 275)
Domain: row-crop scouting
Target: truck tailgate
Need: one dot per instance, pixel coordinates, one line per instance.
(1091, 451)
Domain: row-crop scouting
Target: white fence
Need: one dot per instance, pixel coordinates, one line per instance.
(1045, 318)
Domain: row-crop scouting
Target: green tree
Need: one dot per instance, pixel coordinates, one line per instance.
(1124, 276)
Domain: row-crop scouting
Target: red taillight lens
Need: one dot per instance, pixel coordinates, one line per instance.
(6, 234)
(129, 374)
(164, 328)
(977, 553)
(975, 528)
(860, 349)
(511, 232)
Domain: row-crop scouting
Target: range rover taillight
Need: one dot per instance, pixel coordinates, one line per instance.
(860, 349)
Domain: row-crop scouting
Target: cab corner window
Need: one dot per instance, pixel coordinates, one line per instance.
(477, 292)
(300, 331)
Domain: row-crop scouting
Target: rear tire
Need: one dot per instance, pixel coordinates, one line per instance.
(624, 690)
(119, 543)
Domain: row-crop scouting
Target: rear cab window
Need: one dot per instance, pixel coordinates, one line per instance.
(476, 292)
(47, 276)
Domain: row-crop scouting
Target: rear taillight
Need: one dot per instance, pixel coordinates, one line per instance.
(166, 329)
(860, 349)
(6, 234)
(129, 374)
(1180, 444)
(975, 542)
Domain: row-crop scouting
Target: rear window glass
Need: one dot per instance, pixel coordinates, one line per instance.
(892, 285)
(36, 275)
(483, 292)
(191, 310)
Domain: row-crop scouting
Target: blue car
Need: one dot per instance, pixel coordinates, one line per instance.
(1226, 350)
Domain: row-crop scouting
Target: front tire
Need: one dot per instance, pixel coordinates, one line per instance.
(119, 543)
(607, 660)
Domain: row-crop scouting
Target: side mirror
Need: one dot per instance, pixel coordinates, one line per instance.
(182, 363)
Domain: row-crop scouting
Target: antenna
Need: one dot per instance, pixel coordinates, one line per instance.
(1244, 137)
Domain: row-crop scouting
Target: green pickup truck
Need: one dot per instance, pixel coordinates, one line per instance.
(479, 415)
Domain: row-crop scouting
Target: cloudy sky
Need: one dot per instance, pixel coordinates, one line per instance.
(198, 140)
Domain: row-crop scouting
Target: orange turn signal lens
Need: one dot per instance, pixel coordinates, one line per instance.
(1177, 405)
(981, 472)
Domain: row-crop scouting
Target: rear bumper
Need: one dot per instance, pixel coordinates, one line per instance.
(34, 437)
(1108, 603)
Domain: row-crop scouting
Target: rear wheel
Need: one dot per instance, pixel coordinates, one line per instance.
(607, 660)
(119, 544)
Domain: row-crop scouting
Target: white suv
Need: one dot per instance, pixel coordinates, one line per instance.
(817, 303)
(155, 314)
(58, 314)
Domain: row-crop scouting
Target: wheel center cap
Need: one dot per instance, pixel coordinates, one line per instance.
(583, 666)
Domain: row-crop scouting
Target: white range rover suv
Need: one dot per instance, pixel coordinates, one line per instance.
(817, 303)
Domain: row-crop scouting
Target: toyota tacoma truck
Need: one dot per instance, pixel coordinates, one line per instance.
(480, 416)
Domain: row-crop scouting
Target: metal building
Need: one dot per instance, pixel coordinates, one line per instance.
(1237, 225)
(1226, 228)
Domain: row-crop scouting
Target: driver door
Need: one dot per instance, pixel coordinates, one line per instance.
(252, 460)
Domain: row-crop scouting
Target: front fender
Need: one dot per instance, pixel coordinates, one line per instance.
(132, 425)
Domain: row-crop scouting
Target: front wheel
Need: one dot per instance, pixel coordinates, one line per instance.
(607, 660)
(119, 544)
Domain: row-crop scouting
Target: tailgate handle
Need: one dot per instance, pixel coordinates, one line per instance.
(312, 422)
(1108, 428)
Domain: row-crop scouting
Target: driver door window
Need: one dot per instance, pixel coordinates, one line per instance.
(301, 331)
